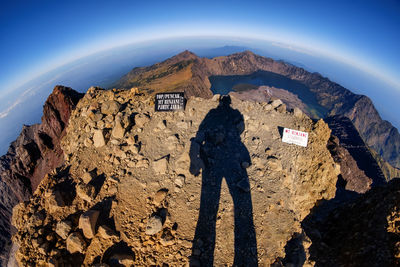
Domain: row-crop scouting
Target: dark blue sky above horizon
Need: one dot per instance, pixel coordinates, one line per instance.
(37, 36)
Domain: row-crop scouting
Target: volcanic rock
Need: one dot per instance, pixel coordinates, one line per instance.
(75, 243)
(63, 228)
(36, 152)
(154, 225)
(110, 107)
(98, 138)
(87, 222)
(86, 191)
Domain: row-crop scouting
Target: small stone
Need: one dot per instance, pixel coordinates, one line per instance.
(142, 163)
(141, 120)
(134, 91)
(86, 191)
(274, 164)
(100, 124)
(160, 166)
(114, 142)
(55, 201)
(113, 179)
(88, 142)
(36, 242)
(167, 239)
(118, 131)
(160, 196)
(275, 103)
(37, 219)
(75, 243)
(297, 112)
(110, 107)
(154, 225)
(96, 117)
(43, 248)
(63, 228)
(281, 108)
(87, 177)
(98, 138)
(182, 125)
(216, 97)
(180, 180)
(134, 149)
(161, 125)
(51, 237)
(121, 260)
(55, 252)
(18, 215)
(268, 107)
(87, 222)
(106, 232)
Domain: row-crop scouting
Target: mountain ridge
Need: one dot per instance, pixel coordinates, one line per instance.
(33, 154)
(379, 134)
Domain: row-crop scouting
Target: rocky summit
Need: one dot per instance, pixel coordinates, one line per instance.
(105, 180)
(147, 188)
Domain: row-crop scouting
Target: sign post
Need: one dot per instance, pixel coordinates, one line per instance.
(295, 137)
(170, 101)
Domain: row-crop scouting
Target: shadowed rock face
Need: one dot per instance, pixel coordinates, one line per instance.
(363, 232)
(358, 166)
(35, 152)
(191, 74)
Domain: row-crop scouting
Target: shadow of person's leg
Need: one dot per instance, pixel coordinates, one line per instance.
(204, 239)
(245, 235)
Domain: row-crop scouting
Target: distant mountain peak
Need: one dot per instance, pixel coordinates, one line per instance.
(185, 55)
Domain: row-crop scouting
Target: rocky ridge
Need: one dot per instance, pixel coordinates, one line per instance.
(190, 73)
(35, 153)
(125, 194)
(352, 144)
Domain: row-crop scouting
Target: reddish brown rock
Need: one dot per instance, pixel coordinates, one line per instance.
(36, 152)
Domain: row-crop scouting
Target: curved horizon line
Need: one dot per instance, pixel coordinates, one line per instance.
(87, 51)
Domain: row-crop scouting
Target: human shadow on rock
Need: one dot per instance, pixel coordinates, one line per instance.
(218, 150)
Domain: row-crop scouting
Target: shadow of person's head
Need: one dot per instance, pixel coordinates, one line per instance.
(225, 101)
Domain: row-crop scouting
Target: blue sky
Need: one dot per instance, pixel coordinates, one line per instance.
(37, 36)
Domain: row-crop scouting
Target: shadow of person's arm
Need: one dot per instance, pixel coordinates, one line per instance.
(196, 163)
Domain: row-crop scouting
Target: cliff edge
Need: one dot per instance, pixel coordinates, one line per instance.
(36, 152)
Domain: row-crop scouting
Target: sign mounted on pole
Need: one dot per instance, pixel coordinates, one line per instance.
(170, 101)
(295, 137)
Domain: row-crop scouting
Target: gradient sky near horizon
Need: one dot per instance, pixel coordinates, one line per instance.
(37, 36)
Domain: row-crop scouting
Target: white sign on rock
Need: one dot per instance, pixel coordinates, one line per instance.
(295, 137)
